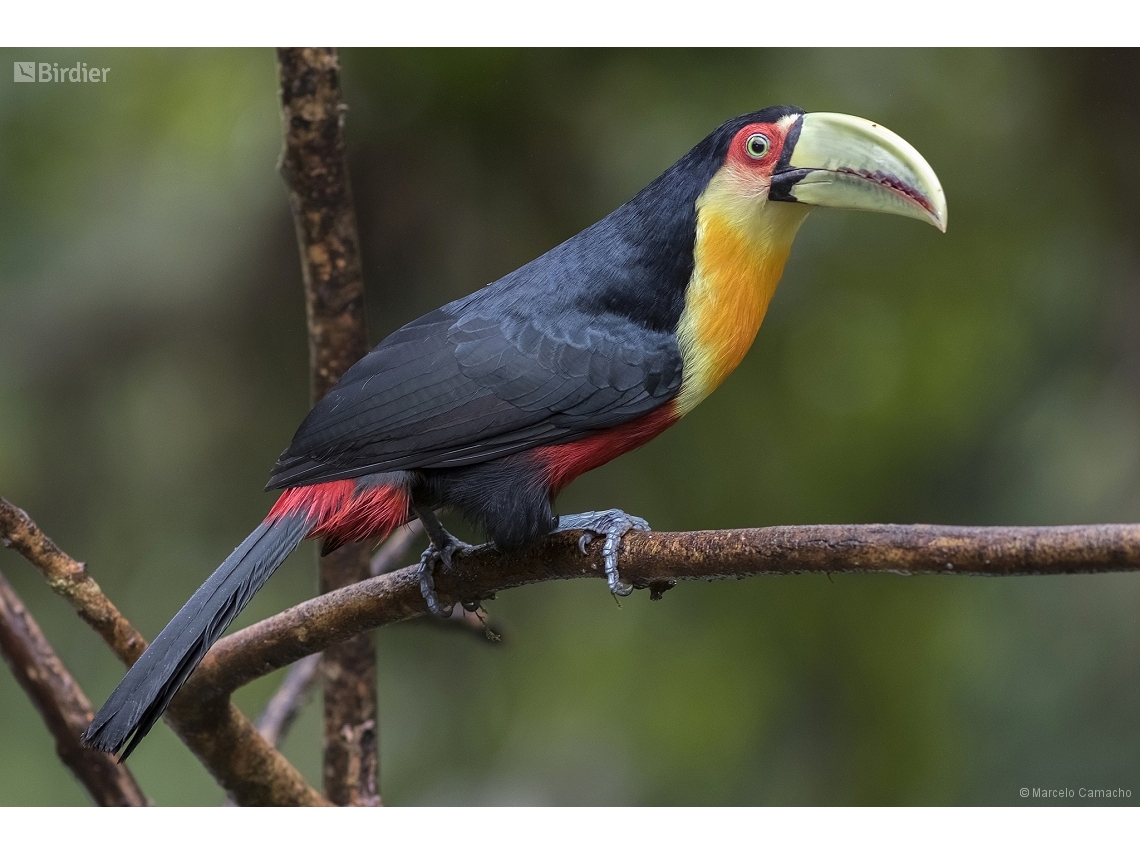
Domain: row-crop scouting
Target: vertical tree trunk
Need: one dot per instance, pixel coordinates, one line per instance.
(314, 169)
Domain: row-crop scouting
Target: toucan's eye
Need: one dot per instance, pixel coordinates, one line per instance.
(757, 146)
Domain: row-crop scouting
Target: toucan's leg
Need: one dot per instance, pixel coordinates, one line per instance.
(611, 525)
(443, 546)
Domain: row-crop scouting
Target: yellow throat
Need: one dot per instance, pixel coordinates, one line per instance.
(741, 245)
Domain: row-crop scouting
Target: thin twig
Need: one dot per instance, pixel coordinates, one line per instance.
(226, 742)
(476, 623)
(657, 561)
(313, 166)
(61, 703)
(285, 705)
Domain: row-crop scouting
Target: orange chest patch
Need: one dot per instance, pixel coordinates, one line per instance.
(734, 277)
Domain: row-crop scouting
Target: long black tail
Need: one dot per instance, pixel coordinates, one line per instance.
(145, 693)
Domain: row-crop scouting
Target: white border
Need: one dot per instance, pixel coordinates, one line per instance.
(574, 831)
(618, 23)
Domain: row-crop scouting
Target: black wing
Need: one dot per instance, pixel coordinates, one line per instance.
(461, 386)
(578, 340)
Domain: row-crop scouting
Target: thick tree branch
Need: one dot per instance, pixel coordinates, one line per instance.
(314, 168)
(251, 771)
(657, 560)
(246, 766)
(61, 703)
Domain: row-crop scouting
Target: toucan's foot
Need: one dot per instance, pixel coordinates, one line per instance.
(442, 548)
(612, 525)
(431, 558)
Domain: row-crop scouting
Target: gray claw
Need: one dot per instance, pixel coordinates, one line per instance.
(612, 525)
(432, 556)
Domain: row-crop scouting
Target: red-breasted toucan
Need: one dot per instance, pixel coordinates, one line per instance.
(493, 403)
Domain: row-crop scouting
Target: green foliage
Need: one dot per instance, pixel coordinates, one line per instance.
(153, 364)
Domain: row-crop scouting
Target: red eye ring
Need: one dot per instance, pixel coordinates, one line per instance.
(757, 146)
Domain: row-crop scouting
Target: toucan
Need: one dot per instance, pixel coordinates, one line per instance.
(492, 404)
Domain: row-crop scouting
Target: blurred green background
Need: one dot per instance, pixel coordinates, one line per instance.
(153, 364)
